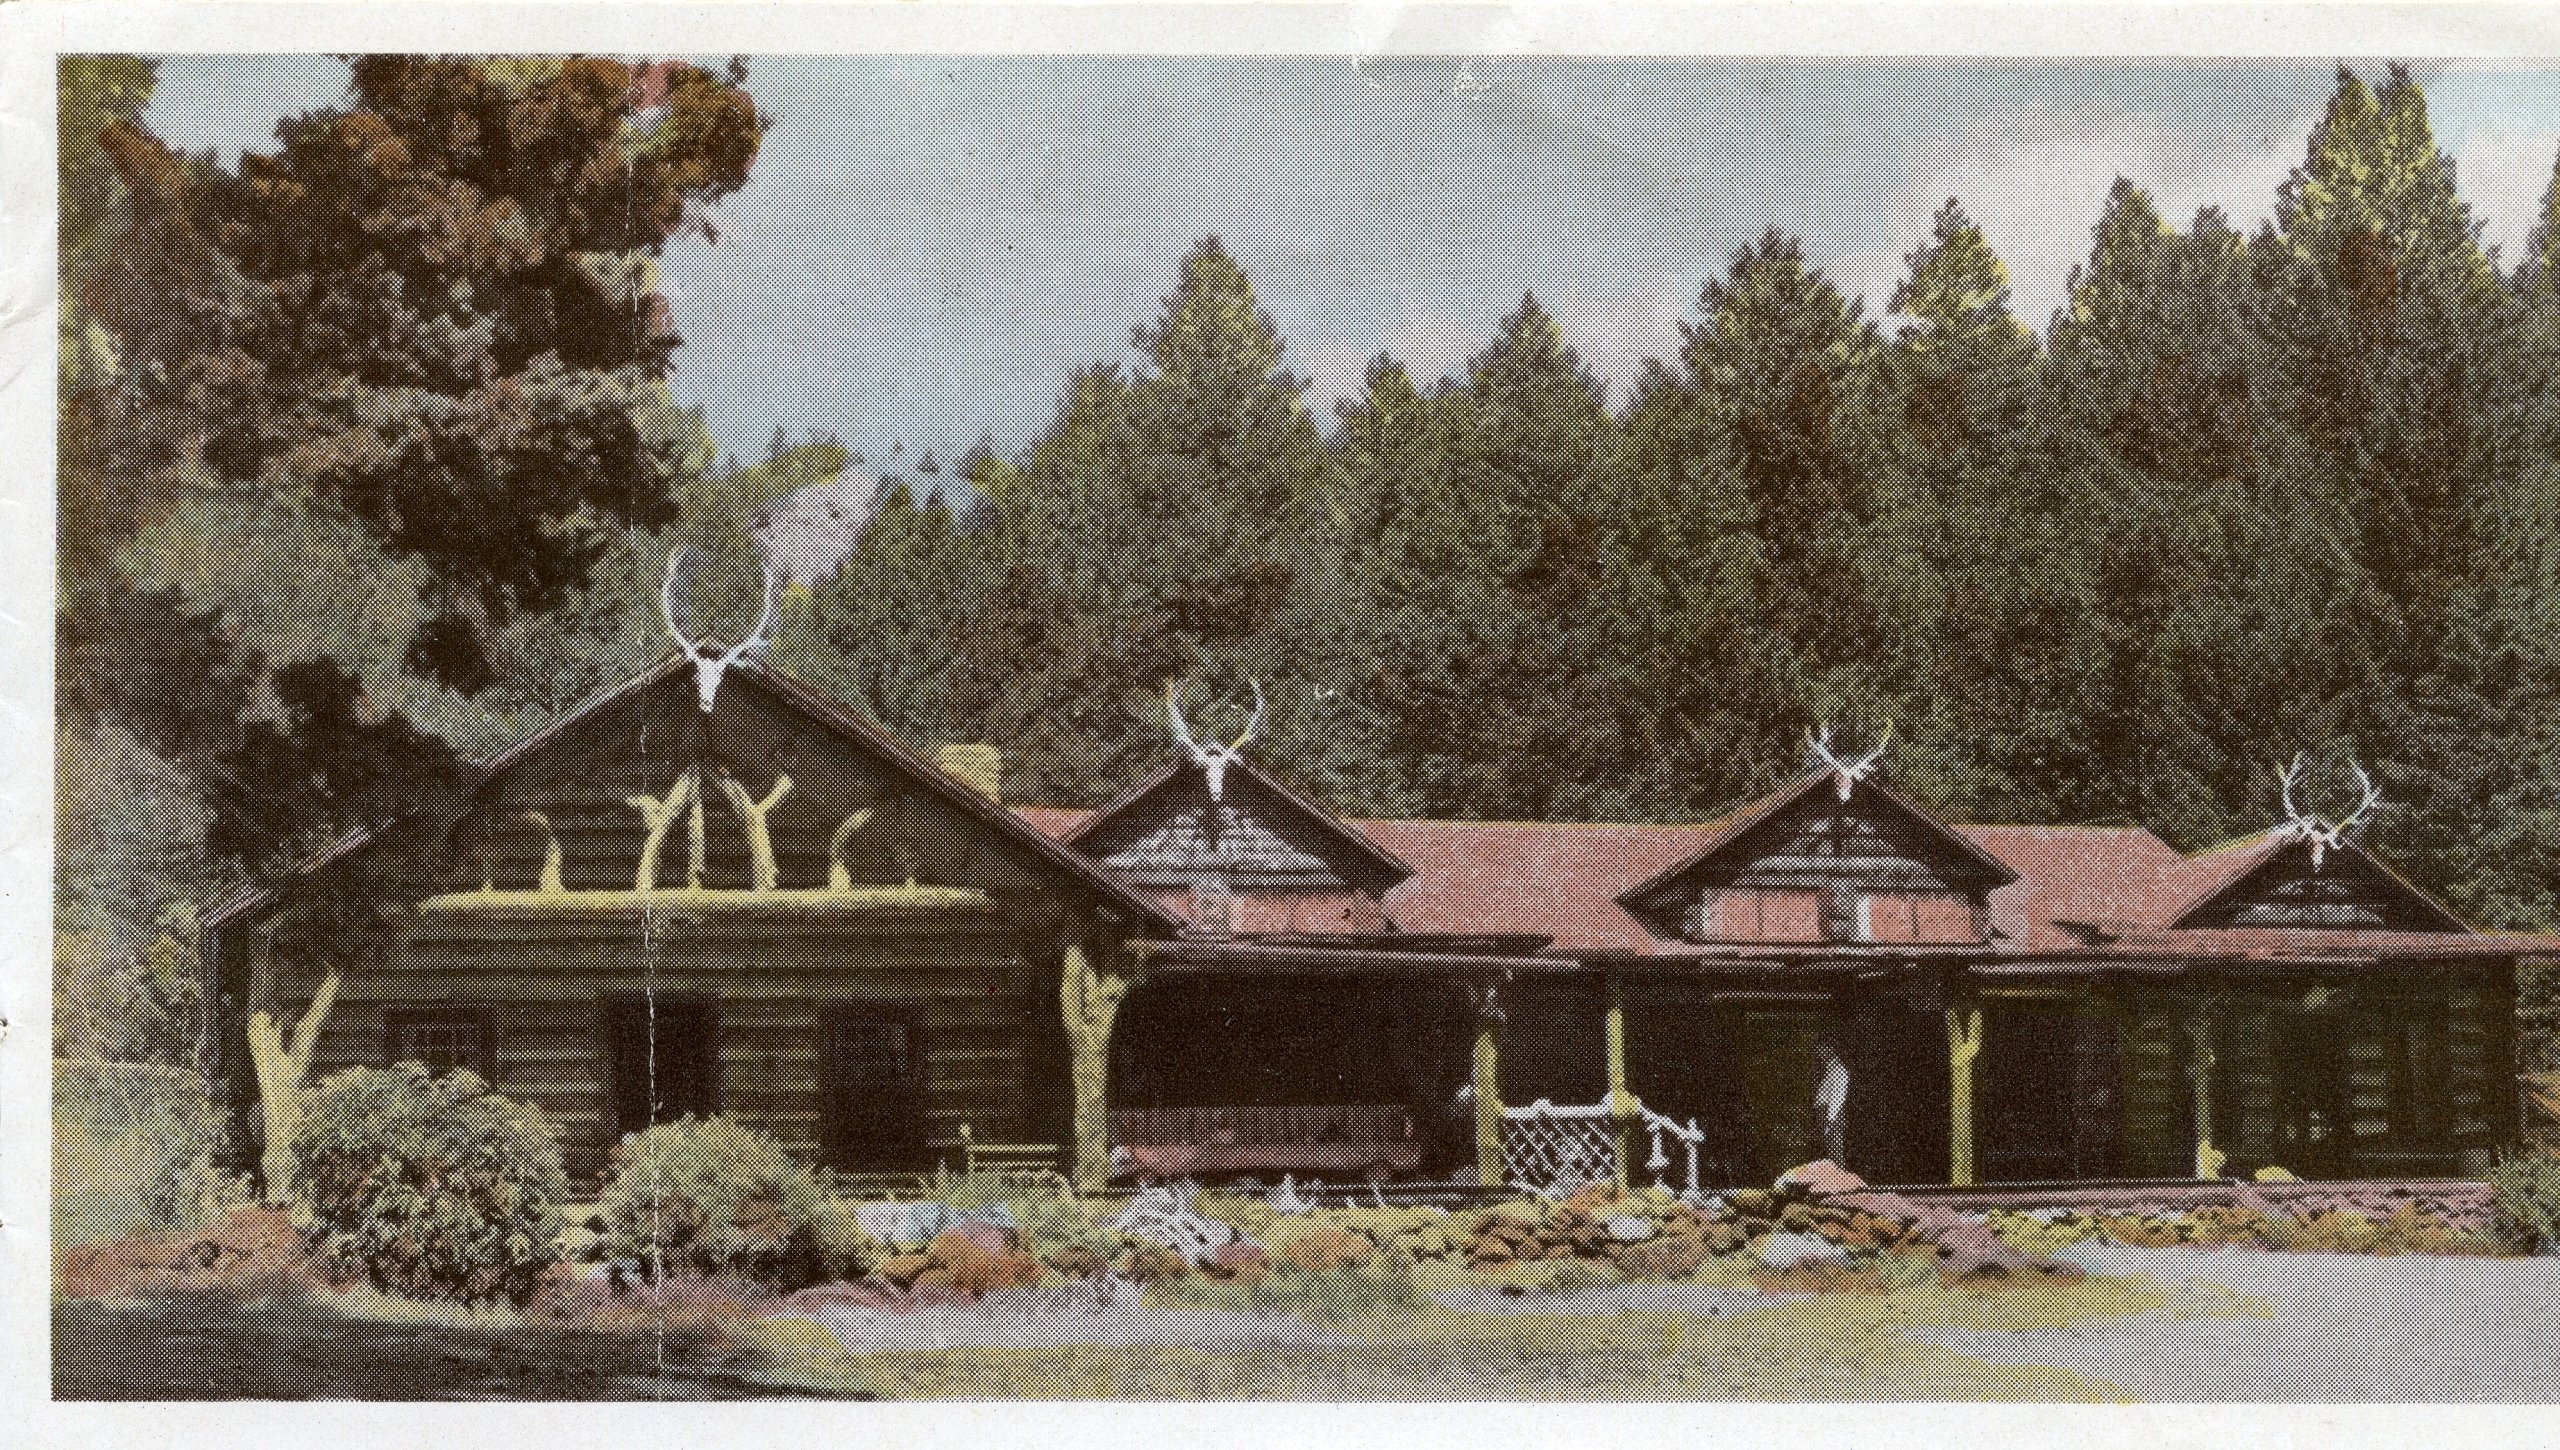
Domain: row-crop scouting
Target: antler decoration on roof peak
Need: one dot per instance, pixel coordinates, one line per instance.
(1212, 758)
(1845, 774)
(709, 667)
(2322, 835)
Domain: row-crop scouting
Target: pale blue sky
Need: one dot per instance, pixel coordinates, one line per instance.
(931, 245)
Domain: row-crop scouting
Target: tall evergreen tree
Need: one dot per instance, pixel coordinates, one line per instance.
(1496, 683)
(2186, 673)
(1172, 524)
(1786, 366)
(1969, 558)
(424, 334)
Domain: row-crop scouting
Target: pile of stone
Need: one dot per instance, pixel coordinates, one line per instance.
(2463, 1207)
(938, 1256)
(1816, 1215)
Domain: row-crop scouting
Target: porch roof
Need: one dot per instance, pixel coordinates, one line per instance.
(2086, 896)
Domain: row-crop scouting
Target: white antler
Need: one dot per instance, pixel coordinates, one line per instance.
(2285, 778)
(1846, 774)
(708, 668)
(2322, 835)
(1213, 760)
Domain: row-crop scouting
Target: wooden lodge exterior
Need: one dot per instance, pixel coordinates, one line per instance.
(883, 952)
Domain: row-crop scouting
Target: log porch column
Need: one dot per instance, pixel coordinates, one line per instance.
(1964, 1044)
(2200, 1061)
(1487, 1088)
(1089, 1001)
(1622, 1103)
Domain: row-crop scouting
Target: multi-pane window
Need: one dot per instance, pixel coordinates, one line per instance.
(443, 1037)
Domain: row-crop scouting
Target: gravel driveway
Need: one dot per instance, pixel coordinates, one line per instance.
(2344, 1327)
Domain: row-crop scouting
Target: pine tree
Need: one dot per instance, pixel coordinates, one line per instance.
(1785, 370)
(1969, 557)
(420, 375)
(1168, 525)
(2195, 650)
(1498, 691)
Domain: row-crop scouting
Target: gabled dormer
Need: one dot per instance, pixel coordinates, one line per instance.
(2283, 881)
(1822, 864)
(1254, 859)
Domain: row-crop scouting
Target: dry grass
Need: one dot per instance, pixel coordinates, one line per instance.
(1836, 1347)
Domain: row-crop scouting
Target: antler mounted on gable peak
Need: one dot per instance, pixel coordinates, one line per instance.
(710, 667)
(1212, 758)
(1845, 774)
(2321, 833)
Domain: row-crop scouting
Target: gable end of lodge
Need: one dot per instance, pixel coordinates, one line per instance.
(773, 909)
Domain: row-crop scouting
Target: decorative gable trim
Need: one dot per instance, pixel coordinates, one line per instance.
(795, 696)
(2351, 890)
(1283, 840)
(1928, 886)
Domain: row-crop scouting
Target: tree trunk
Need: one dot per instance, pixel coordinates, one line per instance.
(281, 1070)
(1490, 1167)
(1964, 1044)
(1089, 1002)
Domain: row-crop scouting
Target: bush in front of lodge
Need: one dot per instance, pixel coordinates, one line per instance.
(427, 1185)
(2527, 1205)
(712, 1197)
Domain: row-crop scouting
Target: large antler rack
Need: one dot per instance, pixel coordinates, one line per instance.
(709, 667)
(2323, 835)
(1213, 759)
(1845, 774)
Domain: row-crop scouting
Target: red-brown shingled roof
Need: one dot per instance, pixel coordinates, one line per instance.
(1562, 880)
(2123, 885)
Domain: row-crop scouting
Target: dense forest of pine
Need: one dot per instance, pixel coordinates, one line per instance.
(396, 479)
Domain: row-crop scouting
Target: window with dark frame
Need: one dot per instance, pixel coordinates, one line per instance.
(664, 1051)
(2415, 1035)
(443, 1037)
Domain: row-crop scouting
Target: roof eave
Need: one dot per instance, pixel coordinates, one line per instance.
(1732, 828)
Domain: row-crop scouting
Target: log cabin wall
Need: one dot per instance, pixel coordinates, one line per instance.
(980, 979)
(979, 1003)
(2400, 1069)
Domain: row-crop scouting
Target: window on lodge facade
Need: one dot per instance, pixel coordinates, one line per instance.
(1839, 913)
(443, 1038)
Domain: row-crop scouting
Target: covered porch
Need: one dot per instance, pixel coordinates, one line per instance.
(1257, 1059)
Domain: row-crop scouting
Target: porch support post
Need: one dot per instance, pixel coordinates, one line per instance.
(1089, 1000)
(2200, 1061)
(282, 1068)
(1622, 1103)
(1490, 1168)
(1964, 1044)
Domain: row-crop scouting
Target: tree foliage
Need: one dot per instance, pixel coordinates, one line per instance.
(370, 403)
(2241, 495)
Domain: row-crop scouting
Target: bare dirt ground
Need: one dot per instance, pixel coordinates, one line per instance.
(2338, 1328)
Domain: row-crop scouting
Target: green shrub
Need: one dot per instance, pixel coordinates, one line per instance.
(966, 1191)
(431, 1186)
(1053, 1224)
(711, 1196)
(2528, 1200)
(135, 1146)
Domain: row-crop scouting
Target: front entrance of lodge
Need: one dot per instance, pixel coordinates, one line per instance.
(871, 1115)
(2048, 1095)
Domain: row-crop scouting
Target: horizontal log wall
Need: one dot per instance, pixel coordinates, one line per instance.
(977, 993)
(2458, 1081)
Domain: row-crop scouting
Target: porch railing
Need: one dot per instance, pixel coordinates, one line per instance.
(1556, 1151)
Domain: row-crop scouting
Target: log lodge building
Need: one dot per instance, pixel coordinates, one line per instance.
(772, 908)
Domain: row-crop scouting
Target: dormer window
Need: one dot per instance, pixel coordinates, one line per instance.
(1809, 866)
(1213, 906)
